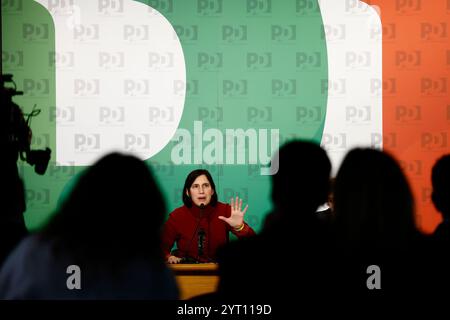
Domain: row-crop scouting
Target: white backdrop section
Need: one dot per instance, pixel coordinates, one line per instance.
(126, 81)
(354, 48)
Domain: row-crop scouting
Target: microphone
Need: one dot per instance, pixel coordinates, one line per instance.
(190, 259)
(201, 240)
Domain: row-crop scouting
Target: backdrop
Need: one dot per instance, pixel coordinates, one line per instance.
(220, 84)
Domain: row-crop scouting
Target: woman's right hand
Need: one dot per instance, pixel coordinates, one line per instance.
(173, 259)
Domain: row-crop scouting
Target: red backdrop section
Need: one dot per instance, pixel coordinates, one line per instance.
(416, 104)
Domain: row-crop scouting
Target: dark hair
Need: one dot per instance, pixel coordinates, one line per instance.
(440, 180)
(115, 212)
(190, 180)
(373, 202)
(303, 177)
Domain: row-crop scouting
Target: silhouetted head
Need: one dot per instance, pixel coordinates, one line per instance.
(199, 188)
(440, 179)
(372, 201)
(302, 180)
(114, 211)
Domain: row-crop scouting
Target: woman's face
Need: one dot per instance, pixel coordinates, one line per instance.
(200, 191)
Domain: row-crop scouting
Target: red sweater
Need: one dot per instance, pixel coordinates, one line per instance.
(181, 228)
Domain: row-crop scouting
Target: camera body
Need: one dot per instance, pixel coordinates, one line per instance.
(15, 132)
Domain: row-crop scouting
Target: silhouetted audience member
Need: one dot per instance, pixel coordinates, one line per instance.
(375, 225)
(109, 227)
(440, 266)
(440, 179)
(12, 201)
(291, 251)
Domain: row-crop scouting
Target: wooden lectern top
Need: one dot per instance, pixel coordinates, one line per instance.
(194, 267)
(195, 279)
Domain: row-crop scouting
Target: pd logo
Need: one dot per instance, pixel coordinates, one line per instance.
(308, 61)
(434, 140)
(334, 33)
(356, 7)
(259, 7)
(408, 114)
(448, 57)
(36, 88)
(110, 7)
(234, 89)
(307, 7)
(283, 33)
(358, 114)
(186, 33)
(426, 195)
(259, 115)
(229, 193)
(111, 60)
(191, 88)
(433, 86)
(408, 60)
(408, 6)
(35, 32)
(253, 171)
(12, 6)
(86, 33)
(210, 7)
(167, 169)
(387, 87)
(383, 141)
(215, 170)
(284, 87)
(40, 141)
(434, 31)
(234, 34)
(157, 61)
(86, 87)
(111, 115)
(388, 32)
(135, 88)
(210, 115)
(334, 88)
(60, 6)
(413, 167)
(38, 197)
(12, 59)
(87, 142)
(334, 142)
(137, 142)
(64, 116)
(259, 61)
(308, 114)
(210, 61)
(61, 60)
(358, 60)
(61, 172)
(136, 33)
(161, 115)
(163, 6)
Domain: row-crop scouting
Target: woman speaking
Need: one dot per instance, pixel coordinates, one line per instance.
(202, 224)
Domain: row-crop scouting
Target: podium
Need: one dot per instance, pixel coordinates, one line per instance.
(195, 279)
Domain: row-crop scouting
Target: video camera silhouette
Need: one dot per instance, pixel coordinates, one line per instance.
(16, 132)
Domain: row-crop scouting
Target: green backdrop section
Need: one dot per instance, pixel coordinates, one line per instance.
(255, 64)
(250, 64)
